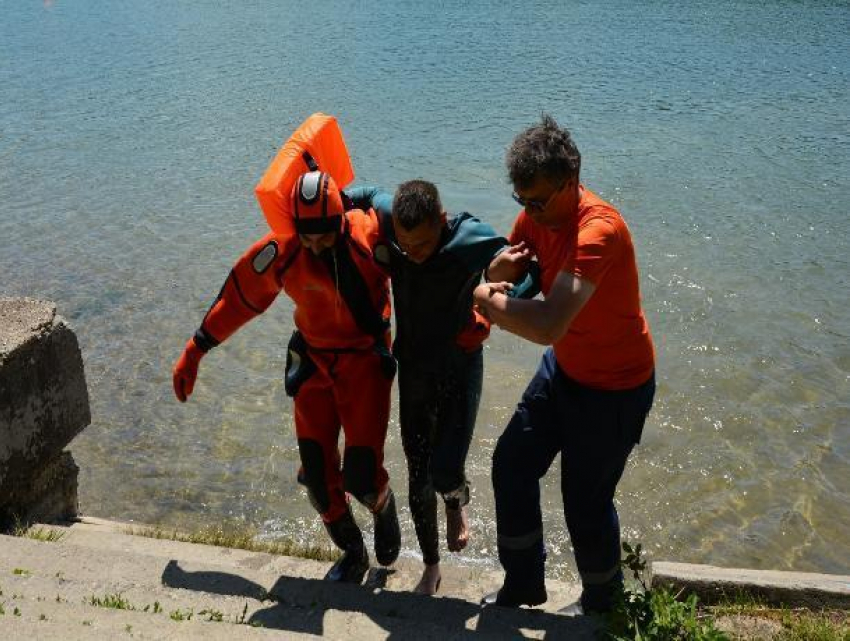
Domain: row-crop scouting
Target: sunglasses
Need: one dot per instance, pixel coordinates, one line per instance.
(536, 205)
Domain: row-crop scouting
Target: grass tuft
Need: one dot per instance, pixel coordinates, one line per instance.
(48, 535)
(24, 530)
(241, 539)
(179, 615)
(115, 601)
(810, 626)
(212, 615)
(795, 624)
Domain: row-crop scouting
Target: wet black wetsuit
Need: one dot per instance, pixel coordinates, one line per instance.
(439, 380)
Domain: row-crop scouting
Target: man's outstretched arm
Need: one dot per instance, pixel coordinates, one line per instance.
(251, 286)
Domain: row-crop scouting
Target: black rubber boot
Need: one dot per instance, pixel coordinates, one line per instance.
(387, 532)
(354, 563)
(601, 598)
(513, 597)
(596, 599)
(524, 577)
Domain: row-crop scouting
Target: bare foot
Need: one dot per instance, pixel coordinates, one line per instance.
(430, 581)
(457, 529)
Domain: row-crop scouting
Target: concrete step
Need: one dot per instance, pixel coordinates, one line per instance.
(28, 617)
(784, 589)
(96, 559)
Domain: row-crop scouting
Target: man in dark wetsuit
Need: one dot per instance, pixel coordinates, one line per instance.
(435, 262)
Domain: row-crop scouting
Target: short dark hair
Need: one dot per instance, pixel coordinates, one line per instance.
(542, 150)
(416, 202)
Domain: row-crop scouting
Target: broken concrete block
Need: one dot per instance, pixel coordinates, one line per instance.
(44, 404)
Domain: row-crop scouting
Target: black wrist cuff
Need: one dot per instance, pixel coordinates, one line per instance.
(204, 341)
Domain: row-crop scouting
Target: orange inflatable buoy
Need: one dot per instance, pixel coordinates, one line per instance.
(316, 144)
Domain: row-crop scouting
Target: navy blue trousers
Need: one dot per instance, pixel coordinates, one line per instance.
(594, 431)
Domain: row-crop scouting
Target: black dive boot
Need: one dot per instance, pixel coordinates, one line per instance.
(524, 578)
(513, 597)
(387, 532)
(597, 599)
(355, 560)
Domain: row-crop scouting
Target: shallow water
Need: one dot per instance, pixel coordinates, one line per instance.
(132, 134)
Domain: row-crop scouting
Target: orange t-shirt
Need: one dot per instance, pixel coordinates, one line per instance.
(608, 344)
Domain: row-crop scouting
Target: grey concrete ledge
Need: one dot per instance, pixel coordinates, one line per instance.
(791, 589)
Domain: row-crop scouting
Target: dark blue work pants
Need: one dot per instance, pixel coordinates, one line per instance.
(594, 431)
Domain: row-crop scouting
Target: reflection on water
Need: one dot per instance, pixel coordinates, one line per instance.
(131, 137)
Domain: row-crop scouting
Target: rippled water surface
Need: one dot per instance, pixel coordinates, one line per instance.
(132, 134)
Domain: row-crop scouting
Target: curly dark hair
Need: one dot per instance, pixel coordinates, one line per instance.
(416, 202)
(542, 150)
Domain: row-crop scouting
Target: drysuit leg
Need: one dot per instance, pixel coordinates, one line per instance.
(317, 425)
(362, 395)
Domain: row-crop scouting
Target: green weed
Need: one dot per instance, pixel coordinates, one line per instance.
(212, 615)
(24, 530)
(21, 572)
(44, 534)
(115, 601)
(178, 615)
(641, 612)
(157, 608)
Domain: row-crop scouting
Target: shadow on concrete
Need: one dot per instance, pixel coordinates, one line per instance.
(222, 583)
(309, 606)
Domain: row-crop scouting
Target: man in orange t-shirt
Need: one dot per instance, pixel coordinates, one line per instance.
(590, 397)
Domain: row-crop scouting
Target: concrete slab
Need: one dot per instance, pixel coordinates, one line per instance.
(280, 593)
(791, 589)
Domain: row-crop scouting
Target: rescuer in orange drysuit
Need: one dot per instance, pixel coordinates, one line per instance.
(339, 368)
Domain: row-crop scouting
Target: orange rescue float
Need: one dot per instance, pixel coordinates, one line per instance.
(317, 143)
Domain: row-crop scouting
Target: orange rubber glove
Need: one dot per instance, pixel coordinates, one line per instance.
(186, 370)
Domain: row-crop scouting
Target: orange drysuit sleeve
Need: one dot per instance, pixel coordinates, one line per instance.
(252, 285)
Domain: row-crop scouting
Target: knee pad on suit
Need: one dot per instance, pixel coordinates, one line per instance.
(312, 474)
(360, 468)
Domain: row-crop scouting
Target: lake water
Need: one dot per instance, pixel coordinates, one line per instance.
(132, 135)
